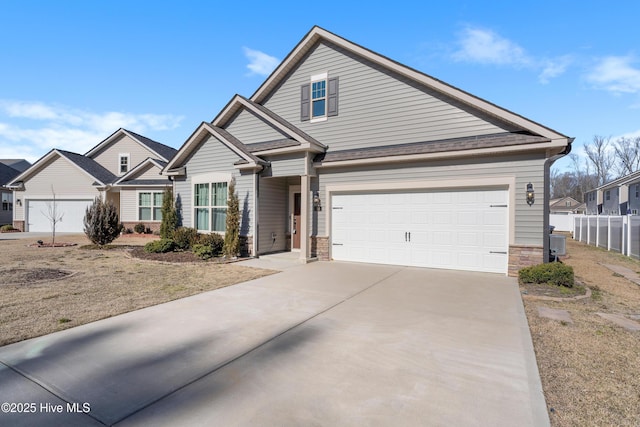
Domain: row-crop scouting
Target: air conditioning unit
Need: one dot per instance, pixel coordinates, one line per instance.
(557, 245)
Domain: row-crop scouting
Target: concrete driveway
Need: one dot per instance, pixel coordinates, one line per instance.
(318, 344)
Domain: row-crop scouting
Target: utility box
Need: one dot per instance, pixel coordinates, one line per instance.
(557, 245)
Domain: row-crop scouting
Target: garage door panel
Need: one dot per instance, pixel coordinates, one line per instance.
(448, 229)
(71, 212)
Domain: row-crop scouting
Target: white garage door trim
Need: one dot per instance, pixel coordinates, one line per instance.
(462, 229)
(72, 220)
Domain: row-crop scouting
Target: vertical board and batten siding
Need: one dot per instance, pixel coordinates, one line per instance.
(375, 107)
(214, 156)
(529, 220)
(109, 157)
(273, 214)
(611, 206)
(61, 176)
(250, 129)
(287, 165)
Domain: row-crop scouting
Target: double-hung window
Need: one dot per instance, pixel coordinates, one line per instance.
(210, 206)
(319, 98)
(123, 163)
(7, 201)
(150, 206)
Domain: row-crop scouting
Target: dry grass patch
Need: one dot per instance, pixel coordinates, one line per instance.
(105, 283)
(590, 369)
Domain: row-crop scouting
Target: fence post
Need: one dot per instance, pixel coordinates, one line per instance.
(608, 233)
(629, 236)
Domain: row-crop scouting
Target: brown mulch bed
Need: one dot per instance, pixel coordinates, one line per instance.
(547, 290)
(182, 256)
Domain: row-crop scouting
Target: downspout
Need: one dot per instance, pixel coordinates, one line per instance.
(547, 168)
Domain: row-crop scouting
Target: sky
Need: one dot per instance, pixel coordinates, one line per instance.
(73, 72)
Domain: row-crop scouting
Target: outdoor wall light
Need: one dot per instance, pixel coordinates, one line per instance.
(531, 196)
(19, 202)
(317, 203)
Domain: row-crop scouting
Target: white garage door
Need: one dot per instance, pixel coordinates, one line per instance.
(460, 230)
(72, 212)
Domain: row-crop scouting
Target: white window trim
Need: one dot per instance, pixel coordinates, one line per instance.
(138, 192)
(313, 79)
(120, 157)
(207, 178)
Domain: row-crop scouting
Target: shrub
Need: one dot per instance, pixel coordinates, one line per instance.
(160, 246)
(101, 223)
(139, 228)
(7, 227)
(213, 240)
(185, 237)
(554, 273)
(169, 214)
(232, 226)
(203, 251)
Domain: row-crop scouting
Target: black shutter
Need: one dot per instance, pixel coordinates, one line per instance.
(304, 102)
(332, 97)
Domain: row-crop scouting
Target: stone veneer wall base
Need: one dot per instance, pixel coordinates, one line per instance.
(521, 256)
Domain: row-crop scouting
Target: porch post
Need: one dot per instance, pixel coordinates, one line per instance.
(305, 191)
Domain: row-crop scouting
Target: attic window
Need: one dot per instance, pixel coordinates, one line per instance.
(319, 98)
(123, 163)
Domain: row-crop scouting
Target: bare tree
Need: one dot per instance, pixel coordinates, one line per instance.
(54, 216)
(601, 157)
(627, 152)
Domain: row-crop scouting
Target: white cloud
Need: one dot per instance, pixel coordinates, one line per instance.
(487, 47)
(259, 62)
(30, 129)
(616, 74)
(554, 68)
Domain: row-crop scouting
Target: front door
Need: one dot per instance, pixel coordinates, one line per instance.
(295, 226)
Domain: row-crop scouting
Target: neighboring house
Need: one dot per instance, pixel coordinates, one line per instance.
(124, 169)
(566, 205)
(618, 197)
(345, 154)
(7, 174)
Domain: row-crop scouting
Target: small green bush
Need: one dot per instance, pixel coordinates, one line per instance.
(139, 228)
(160, 246)
(214, 240)
(554, 273)
(7, 227)
(203, 251)
(185, 237)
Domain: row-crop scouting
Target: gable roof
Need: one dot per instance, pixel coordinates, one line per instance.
(561, 202)
(317, 35)
(20, 165)
(7, 173)
(248, 160)
(239, 102)
(126, 179)
(87, 165)
(163, 152)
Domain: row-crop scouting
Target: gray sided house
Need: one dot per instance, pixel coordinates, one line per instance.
(345, 154)
(123, 169)
(618, 197)
(7, 173)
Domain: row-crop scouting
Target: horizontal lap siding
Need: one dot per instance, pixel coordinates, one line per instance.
(288, 165)
(525, 169)
(249, 129)
(128, 205)
(273, 216)
(150, 172)
(109, 157)
(213, 156)
(375, 107)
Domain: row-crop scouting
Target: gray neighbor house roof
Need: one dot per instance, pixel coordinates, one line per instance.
(165, 151)
(7, 173)
(90, 166)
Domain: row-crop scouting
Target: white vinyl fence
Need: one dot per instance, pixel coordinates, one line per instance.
(562, 222)
(614, 233)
